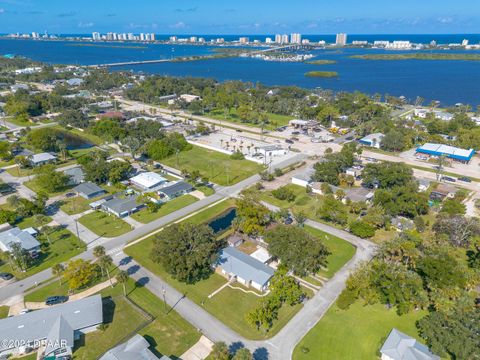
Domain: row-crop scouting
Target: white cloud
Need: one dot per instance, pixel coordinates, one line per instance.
(445, 20)
(179, 25)
(85, 25)
(2, 11)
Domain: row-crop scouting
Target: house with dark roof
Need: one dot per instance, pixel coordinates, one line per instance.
(173, 190)
(137, 348)
(122, 207)
(400, 346)
(248, 271)
(88, 190)
(56, 328)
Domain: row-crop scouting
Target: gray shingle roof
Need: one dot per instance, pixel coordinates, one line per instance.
(39, 324)
(120, 206)
(76, 175)
(238, 263)
(42, 157)
(15, 235)
(134, 349)
(175, 188)
(60, 335)
(400, 346)
(88, 189)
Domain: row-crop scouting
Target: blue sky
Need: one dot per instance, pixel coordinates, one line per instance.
(241, 16)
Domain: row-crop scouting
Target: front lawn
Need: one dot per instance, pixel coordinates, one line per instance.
(75, 205)
(35, 187)
(341, 251)
(357, 333)
(218, 167)
(104, 224)
(145, 216)
(4, 311)
(64, 245)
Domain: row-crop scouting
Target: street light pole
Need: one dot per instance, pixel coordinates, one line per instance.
(164, 300)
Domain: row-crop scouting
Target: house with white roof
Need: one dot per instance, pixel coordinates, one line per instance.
(147, 180)
(373, 140)
(400, 346)
(248, 271)
(41, 159)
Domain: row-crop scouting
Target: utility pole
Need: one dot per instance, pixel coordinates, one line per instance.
(76, 227)
(164, 291)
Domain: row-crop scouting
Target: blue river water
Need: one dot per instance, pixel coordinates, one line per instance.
(447, 81)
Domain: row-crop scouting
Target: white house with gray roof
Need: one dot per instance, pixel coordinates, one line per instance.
(173, 190)
(137, 348)
(88, 190)
(56, 328)
(42, 159)
(15, 235)
(400, 346)
(122, 207)
(245, 269)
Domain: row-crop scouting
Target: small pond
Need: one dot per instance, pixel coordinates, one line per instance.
(223, 221)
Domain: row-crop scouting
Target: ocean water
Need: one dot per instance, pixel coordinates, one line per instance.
(446, 81)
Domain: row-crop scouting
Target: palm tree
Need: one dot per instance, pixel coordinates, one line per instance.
(98, 252)
(57, 270)
(105, 262)
(122, 278)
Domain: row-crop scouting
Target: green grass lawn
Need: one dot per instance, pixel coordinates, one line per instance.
(357, 333)
(206, 190)
(275, 120)
(104, 224)
(341, 251)
(64, 245)
(301, 197)
(20, 172)
(75, 205)
(4, 311)
(218, 167)
(145, 216)
(34, 186)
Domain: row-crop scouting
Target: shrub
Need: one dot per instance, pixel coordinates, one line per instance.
(362, 229)
(284, 193)
(346, 298)
(237, 155)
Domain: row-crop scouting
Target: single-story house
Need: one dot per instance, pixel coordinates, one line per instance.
(400, 223)
(122, 207)
(15, 235)
(262, 255)
(235, 240)
(423, 184)
(147, 180)
(245, 269)
(359, 194)
(443, 191)
(304, 178)
(32, 231)
(373, 140)
(137, 348)
(400, 346)
(88, 190)
(190, 98)
(41, 159)
(173, 190)
(98, 203)
(75, 82)
(450, 152)
(355, 172)
(76, 175)
(56, 327)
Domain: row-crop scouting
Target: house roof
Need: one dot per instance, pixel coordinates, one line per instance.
(76, 174)
(449, 151)
(15, 235)
(306, 175)
(175, 188)
(61, 331)
(261, 254)
(359, 194)
(42, 157)
(120, 206)
(400, 346)
(371, 137)
(148, 179)
(237, 263)
(39, 324)
(134, 349)
(88, 188)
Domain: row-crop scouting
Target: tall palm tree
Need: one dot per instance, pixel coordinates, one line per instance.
(105, 262)
(122, 278)
(98, 252)
(57, 270)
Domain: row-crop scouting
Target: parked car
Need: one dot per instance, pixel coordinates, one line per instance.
(294, 138)
(465, 179)
(288, 141)
(54, 300)
(288, 221)
(448, 178)
(6, 276)
(24, 311)
(295, 132)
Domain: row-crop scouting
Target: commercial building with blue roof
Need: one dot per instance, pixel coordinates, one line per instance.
(450, 152)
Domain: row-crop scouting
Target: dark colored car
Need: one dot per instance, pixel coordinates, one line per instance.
(288, 141)
(465, 179)
(448, 178)
(288, 221)
(295, 132)
(54, 300)
(5, 276)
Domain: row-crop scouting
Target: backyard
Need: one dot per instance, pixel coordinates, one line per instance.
(356, 333)
(145, 215)
(218, 167)
(104, 224)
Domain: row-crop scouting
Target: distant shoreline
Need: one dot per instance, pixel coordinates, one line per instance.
(418, 56)
(322, 74)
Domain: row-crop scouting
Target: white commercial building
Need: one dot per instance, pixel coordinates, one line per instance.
(148, 180)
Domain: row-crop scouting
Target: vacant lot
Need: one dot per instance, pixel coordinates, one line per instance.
(357, 333)
(218, 167)
(145, 216)
(104, 224)
(274, 120)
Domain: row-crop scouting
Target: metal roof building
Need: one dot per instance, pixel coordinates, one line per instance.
(147, 180)
(446, 150)
(246, 269)
(56, 326)
(400, 346)
(15, 235)
(134, 349)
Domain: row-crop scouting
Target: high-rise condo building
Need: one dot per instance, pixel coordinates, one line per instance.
(296, 38)
(341, 39)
